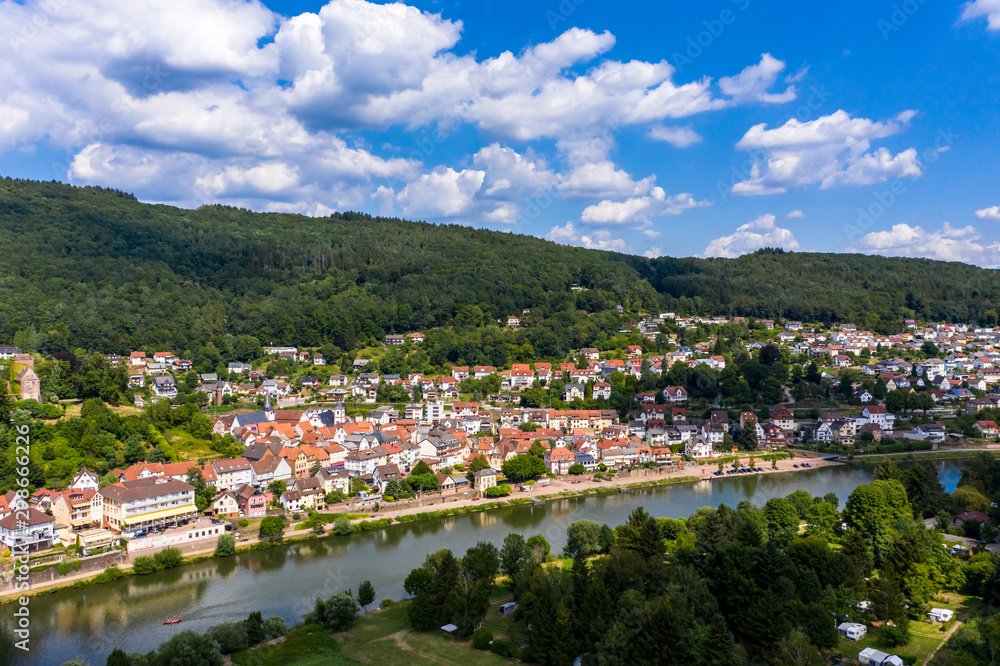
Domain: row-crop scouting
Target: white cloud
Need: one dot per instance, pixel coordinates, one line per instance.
(991, 213)
(795, 214)
(679, 137)
(979, 8)
(510, 174)
(443, 192)
(652, 253)
(637, 211)
(596, 240)
(200, 100)
(797, 76)
(753, 83)
(949, 244)
(831, 150)
(759, 233)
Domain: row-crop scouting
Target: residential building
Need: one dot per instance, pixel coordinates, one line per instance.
(31, 532)
(135, 506)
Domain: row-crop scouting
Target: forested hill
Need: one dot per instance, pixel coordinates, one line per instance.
(95, 268)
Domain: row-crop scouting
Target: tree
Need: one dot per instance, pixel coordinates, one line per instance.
(339, 612)
(606, 539)
(272, 528)
(366, 594)
(277, 488)
(254, 626)
(782, 519)
(582, 539)
(523, 467)
(190, 647)
(225, 546)
(118, 657)
(482, 563)
(421, 468)
(230, 636)
(747, 439)
(513, 555)
(924, 489)
(576, 469)
(796, 649)
(539, 548)
(886, 470)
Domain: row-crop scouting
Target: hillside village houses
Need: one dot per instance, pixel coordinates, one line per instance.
(318, 449)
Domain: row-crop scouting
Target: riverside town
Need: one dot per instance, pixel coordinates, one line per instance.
(568, 333)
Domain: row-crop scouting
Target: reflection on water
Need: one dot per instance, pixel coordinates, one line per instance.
(89, 622)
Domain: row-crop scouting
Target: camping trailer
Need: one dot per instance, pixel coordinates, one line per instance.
(852, 630)
(508, 608)
(940, 615)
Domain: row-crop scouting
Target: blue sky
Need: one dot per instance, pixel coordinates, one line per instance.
(709, 129)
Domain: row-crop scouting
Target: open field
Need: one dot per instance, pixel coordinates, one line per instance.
(379, 637)
(925, 637)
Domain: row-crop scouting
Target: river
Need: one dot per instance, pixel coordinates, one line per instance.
(88, 623)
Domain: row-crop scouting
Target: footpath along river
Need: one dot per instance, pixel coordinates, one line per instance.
(88, 623)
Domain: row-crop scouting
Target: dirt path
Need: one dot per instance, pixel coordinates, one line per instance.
(944, 640)
(399, 638)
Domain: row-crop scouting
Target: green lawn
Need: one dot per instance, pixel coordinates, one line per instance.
(924, 636)
(311, 645)
(384, 637)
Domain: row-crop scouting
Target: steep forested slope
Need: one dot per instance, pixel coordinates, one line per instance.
(95, 268)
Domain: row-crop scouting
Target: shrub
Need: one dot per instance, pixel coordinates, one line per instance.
(481, 638)
(230, 636)
(109, 574)
(387, 603)
(342, 526)
(274, 627)
(168, 558)
(499, 647)
(64, 568)
(144, 564)
(499, 491)
(243, 522)
(76, 565)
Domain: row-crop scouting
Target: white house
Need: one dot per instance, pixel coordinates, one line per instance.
(698, 448)
(85, 480)
(232, 473)
(878, 415)
(26, 530)
(271, 468)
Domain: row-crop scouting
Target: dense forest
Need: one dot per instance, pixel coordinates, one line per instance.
(96, 269)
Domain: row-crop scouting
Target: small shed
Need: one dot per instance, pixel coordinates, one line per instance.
(508, 608)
